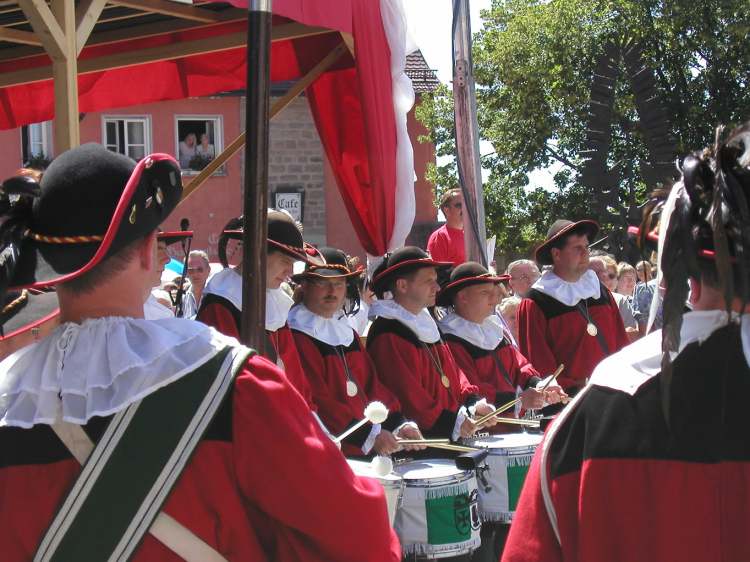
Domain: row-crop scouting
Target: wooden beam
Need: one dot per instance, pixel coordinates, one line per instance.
(17, 36)
(45, 26)
(281, 104)
(160, 53)
(65, 74)
(170, 9)
(87, 14)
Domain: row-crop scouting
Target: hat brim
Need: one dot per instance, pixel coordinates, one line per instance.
(299, 254)
(323, 272)
(384, 276)
(449, 290)
(175, 236)
(44, 264)
(543, 253)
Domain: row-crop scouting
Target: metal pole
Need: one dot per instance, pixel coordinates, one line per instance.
(256, 174)
(467, 136)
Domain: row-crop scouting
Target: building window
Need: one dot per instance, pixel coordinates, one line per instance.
(127, 135)
(199, 140)
(36, 143)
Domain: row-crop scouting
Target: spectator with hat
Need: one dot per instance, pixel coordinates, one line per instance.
(124, 438)
(411, 357)
(568, 316)
(447, 242)
(341, 374)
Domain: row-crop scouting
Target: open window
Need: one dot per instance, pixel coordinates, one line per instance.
(127, 135)
(199, 140)
(36, 145)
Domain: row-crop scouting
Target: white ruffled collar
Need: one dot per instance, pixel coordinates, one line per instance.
(227, 283)
(631, 367)
(333, 331)
(588, 286)
(486, 335)
(422, 324)
(99, 367)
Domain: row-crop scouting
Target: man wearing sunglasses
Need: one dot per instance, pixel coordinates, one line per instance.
(447, 242)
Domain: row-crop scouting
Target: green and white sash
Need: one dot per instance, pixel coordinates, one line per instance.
(137, 461)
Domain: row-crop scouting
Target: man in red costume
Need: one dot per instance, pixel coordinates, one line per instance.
(341, 374)
(221, 305)
(568, 317)
(411, 358)
(652, 460)
(476, 338)
(247, 474)
(447, 242)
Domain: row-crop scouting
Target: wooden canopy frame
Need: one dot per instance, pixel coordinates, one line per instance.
(61, 29)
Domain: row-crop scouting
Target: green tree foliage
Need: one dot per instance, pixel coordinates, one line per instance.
(534, 64)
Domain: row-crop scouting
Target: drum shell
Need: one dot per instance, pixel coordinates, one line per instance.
(392, 484)
(507, 462)
(438, 516)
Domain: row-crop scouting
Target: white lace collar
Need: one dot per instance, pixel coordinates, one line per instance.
(486, 335)
(333, 331)
(99, 367)
(422, 324)
(227, 283)
(588, 286)
(629, 368)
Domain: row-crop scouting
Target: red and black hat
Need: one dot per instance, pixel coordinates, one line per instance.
(465, 275)
(91, 203)
(26, 309)
(336, 266)
(174, 236)
(283, 235)
(402, 261)
(559, 229)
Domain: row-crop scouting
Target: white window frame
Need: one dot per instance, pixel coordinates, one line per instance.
(144, 119)
(218, 120)
(46, 134)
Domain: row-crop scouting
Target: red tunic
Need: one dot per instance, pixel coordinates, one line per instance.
(484, 368)
(621, 485)
(447, 244)
(220, 313)
(551, 333)
(405, 366)
(264, 484)
(325, 370)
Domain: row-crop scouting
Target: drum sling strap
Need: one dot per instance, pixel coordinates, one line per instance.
(130, 472)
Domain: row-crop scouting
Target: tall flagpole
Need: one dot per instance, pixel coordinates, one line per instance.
(467, 136)
(256, 174)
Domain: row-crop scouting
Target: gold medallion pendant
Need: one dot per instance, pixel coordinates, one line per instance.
(351, 388)
(591, 329)
(446, 382)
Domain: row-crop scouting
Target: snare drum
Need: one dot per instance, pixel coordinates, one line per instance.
(508, 462)
(438, 515)
(392, 484)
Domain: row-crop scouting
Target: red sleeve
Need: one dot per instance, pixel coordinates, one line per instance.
(375, 389)
(521, 369)
(400, 368)
(437, 246)
(287, 350)
(296, 482)
(220, 318)
(532, 337)
(531, 537)
(335, 415)
(467, 366)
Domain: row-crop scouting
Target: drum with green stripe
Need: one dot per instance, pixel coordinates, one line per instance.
(438, 515)
(508, 462)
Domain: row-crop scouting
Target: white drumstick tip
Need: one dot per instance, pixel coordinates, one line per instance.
(381, 465)
(376, 412)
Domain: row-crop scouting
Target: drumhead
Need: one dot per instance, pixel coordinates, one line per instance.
(508, 443)
(364, 468)
(431, 470)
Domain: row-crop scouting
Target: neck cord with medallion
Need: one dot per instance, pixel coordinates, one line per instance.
(351, 385)
(591, 328)
(437, 363)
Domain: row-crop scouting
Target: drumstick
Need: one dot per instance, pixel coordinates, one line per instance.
(452, 447)
(422, 441)
(509, 405)
(376, 412)
(515, 421)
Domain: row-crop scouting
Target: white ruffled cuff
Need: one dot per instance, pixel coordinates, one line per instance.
(403, 425)
(460, 418)
(370, 441)
(473, 407)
